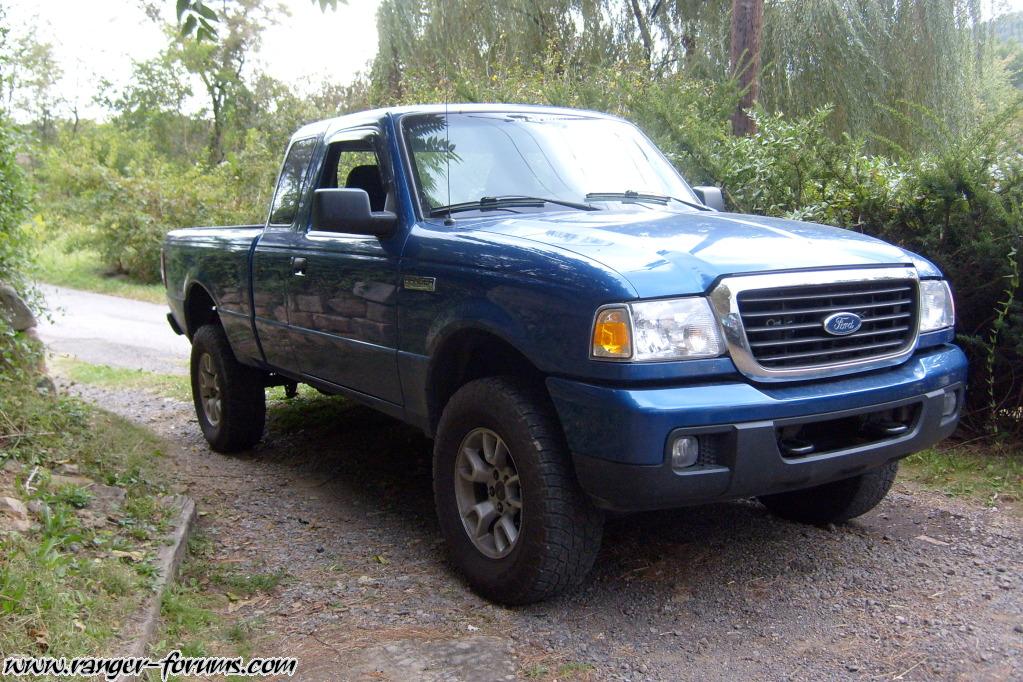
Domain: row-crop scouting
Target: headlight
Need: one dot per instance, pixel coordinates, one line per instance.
(670, 329)
(937, 310)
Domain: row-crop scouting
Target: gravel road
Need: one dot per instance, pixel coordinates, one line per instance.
(339, 497)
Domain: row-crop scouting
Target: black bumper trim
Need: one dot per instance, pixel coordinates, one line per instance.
(752, 464)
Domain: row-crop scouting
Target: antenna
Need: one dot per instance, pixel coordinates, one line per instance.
(447, 156)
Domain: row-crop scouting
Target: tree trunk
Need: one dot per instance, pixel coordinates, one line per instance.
(747, 23)
(644, 31)
(217, 140)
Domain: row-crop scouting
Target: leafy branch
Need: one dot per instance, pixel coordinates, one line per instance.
(196, 17)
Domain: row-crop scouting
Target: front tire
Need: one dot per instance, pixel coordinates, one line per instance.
(229, 397)
(516, 523)
(835, 502)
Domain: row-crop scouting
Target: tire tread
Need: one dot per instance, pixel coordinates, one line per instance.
(572, 527)
(835, 502)
(243, 412)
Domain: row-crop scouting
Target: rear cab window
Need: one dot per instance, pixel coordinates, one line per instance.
(291, 182)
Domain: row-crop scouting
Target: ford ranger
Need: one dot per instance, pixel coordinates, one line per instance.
(578, 329)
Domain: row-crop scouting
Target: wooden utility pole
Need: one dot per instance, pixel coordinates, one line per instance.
(747, 23)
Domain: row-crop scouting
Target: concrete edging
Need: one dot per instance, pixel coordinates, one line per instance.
(142, 625)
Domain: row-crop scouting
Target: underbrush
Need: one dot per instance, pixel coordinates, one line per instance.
(58, 261)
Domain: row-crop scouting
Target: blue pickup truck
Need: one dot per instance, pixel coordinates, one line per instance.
(578, 329)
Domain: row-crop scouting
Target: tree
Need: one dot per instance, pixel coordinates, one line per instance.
(220, 62)
(152, 105)
(30, 81)
(196, 17)
(747, 24)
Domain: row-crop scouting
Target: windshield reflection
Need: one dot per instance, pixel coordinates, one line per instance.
(462, 158)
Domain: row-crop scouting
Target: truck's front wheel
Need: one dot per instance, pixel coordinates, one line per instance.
(516, 523)
(835, 502)
(230, 398)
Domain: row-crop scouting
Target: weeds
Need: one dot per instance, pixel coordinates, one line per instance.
(990, 475)
(64, 589)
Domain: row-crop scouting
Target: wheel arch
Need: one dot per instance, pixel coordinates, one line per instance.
(200, 308)
(469, 353)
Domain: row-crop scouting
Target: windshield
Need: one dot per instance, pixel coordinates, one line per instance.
(549, 156)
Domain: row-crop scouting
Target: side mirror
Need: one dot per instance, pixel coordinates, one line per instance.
(711, 196)
(348, 210)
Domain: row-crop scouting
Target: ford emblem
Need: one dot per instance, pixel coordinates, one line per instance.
(842, 324)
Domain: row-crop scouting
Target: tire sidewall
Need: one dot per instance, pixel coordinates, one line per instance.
(489, 576)
(202, 345)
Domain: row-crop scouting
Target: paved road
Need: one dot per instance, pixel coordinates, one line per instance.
(109, 330)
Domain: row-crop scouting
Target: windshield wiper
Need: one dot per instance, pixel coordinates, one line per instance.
(508, 201)
(637, 197)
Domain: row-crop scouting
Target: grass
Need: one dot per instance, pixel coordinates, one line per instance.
(67, 586)
(58, 262)
(991, 475)
(572, 670)
(166, 385)
(196, 612)
(305, 408)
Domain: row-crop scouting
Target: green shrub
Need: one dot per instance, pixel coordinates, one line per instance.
(17, 352)
(120, 196)
(13, 208)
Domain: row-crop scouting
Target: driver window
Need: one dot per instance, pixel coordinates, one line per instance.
(355, 164)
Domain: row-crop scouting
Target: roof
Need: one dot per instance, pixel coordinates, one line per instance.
(374, 115)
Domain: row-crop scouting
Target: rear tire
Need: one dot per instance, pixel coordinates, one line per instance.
(229, 397)
(499, 448)
(835, 502)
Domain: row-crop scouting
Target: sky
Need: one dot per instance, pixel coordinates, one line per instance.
(100, 38)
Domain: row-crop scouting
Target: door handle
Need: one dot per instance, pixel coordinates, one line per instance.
(298, 265)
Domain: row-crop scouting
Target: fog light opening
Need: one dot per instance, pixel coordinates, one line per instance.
(950, 402)
(685, 452)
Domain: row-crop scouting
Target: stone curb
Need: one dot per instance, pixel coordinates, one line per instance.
(140, 628)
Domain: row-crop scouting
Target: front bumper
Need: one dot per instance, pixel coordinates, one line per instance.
(619, 437)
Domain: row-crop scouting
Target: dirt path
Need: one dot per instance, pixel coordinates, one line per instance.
(339, 498)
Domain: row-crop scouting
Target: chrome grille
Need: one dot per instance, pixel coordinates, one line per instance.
(784, 326)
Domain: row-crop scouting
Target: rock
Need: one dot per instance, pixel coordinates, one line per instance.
(59, 481)
(106, 497)
(13, 515)
(13, 308)
(68, 469)
(45, 385)
(90, 519)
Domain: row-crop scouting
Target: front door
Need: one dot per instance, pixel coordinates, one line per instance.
(342, 293)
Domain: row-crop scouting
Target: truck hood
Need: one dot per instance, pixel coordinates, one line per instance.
(664, 252)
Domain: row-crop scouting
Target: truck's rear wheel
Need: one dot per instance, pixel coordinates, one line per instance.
(516, 523)
(835, 502)
(230, 398)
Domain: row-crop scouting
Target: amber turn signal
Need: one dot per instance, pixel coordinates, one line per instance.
(612, 334)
